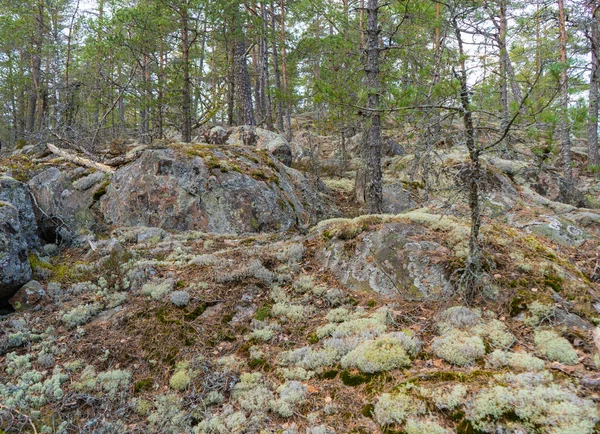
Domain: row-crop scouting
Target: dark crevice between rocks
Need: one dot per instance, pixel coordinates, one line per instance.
(5, 307)
(48, 231)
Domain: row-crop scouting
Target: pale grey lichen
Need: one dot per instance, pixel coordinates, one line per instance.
(180, 298)
(541, 408)
(252, 393)
(460, 317)
(554, 347)
(395, 408)
(459, 348)
(80, 315)
(417, 426)
(387, 352)
(291, 393)
(538, 313)
(158, 291)
(517, 361)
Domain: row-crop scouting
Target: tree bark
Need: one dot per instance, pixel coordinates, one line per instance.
(186, 127)
(473, 267)
(592, 130)
(287, 118)
(276, 71)
(372, 118)
(564, 129)
(242, 80)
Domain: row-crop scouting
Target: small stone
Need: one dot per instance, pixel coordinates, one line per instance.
(28, 296)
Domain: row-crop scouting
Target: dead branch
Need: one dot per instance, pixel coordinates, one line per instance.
(80, 161)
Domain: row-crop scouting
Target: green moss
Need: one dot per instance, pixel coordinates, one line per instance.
(372, 303)
(313, 338)
(553, 280)
(101, 191)
(367, 411)
(143, 385)
(198, 310)
(329, 374)
(353, 380)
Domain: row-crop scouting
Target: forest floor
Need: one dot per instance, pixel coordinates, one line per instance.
(302, 332)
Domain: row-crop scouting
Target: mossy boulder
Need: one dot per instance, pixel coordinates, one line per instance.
(224, 189)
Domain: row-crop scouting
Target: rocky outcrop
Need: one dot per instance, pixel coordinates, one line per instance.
(391, 261)
(65, 199)
(221, 189)
(251, 136)
(15, 269)
(18, 195)
(262, 139)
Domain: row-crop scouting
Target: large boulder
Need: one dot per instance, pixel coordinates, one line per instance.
(266, 140)
(221, 189)
(65, 199)
(19, 195)
(394, 260)
(15, 269)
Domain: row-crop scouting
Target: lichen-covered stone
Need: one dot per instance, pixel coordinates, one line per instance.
(19, 195)
(221, 190)
(58, 197)
(15, 269)
(389, 261)
(28, 296)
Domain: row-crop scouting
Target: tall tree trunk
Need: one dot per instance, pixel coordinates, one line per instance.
(160, 94)
(437, 44)
(287, 118)
(186, 127)
(276, 72)
(372, 118)
(564, 129)
(503, 66)
(257, 80)
(265, 84)
(472, 274)
(242, 79)
(592, 130)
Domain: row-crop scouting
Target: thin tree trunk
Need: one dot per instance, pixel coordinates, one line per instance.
(564, 129)
(242, 79)
(592, 130)
(372, 118)
(503, 66)
(265, 84)
(280, 127)
(287, 118)
(186, 127)
(473, 266)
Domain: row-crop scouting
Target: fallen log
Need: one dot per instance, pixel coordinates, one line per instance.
(80, 161)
